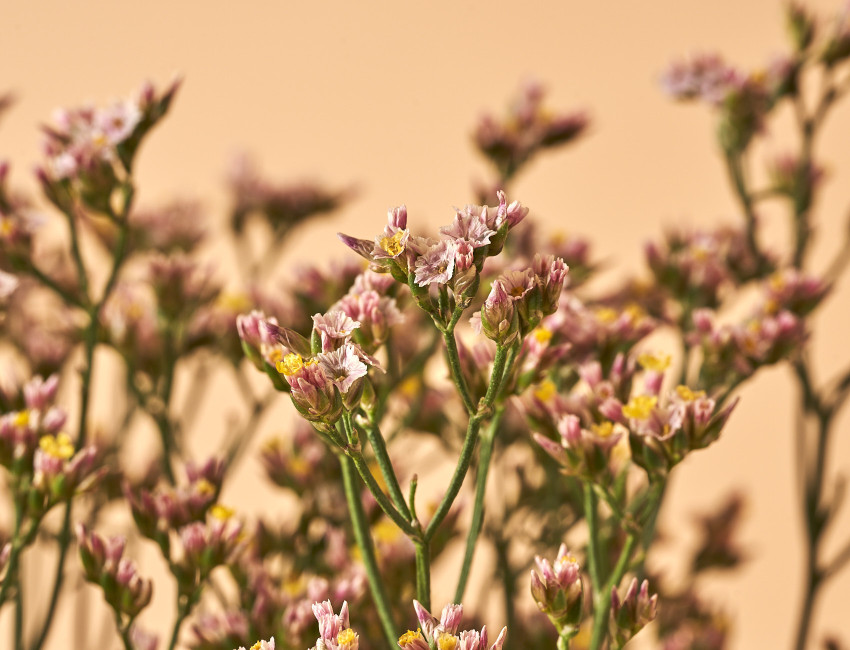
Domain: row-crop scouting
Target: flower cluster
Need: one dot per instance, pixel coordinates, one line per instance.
(557, 590)
(443, 633)
(104, 564)
(528, 128)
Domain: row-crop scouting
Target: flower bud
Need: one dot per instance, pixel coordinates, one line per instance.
(499, 320)
(631, 613)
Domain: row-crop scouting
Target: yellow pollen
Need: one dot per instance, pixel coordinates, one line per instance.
(298, 466)
(393, 245)
(567, 559)
(257, 646)
(290, 364)
(447, 642)
(222, 513)
(6, 227)
(235, 302)
(689, 395)
(542, 335)
(603, 430)
(640, 407)
(635, 312)
(771, 306)
(58, 446)
(516, 292)
(546, 390)
(204, 487)
(294, 586)
(21, 419)
(386, 531)
(409, 637)
(777, 281)
(346, 637)
(606, 315)
(655, 362)
(410, 387)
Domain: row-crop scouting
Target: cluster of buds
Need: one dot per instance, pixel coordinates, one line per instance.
(181, 285)
(519, 300)
(696, 266)
(790, 290)
(280, 206)
(368, 304)
(21, 430)
(743, 100)
(59, 471)
(527, 129)
(324, 375)
(443, 633)
(164, 508)
(90, 150)
(662, 433)
(598, 332)
(583, 452)
(297, 461)
(454, 261)
(335, 633)
(631, 612)
(104, 564)
(733, 352)
(557, 590)
(209, 544)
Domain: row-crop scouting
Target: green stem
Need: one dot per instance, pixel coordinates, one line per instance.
(379, 447)
(19, 617)
(363, 537)
(602, 598)
(89, 342)
(591, 517)
(383, 501)
(469, 441)
(456, 372)
(478, 507)
(423, 573)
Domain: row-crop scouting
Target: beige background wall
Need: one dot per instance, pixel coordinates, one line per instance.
(384, 95)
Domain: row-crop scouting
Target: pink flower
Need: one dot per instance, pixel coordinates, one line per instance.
(437, 264)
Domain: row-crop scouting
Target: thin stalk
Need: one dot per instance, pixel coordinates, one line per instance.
(363, 537)
(602, 598)
(457, 374)
(475, 526)
(379, 447)
(89, 342)
(383, 501)
(469, 442)
(423, 573)
(591, 516)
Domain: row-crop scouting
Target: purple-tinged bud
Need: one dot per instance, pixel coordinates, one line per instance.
(450, 618)
(569, 426)
(801, 26)
(703, 320)
(40, 393)
(550, 273)
(363, 247)
(335, 328)
(397, 217)
(499, 318)
(314, 394)
(632, 613)
(557, 590)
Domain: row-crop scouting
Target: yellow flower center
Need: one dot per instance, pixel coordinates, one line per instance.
(606, 315)
(21, 419)
(222, 513)
(640, 407)
(57, 446)
(516, 292)
(567, 559)
(409, 637)
(346, 637)
(6, 227)
(687, 394)
(603, 430)
(393, 245)
(234, 302)
(290, 364)
(654, 362)
(546, 390)
(204, 487)
(257, 646)
(542, 335)
(777, 281)
(447, 642)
